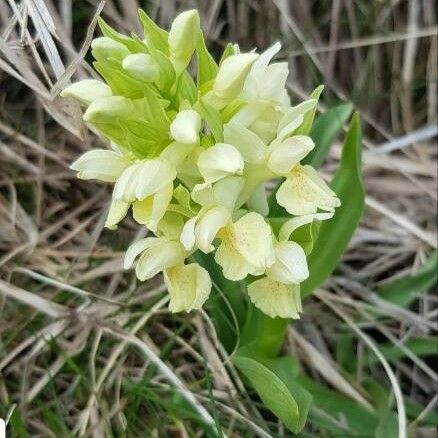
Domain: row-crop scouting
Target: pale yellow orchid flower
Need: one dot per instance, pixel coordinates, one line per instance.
(246, 247)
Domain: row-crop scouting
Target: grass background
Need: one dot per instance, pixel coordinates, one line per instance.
(87, 350)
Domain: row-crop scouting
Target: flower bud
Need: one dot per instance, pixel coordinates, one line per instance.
(104, 48)
(183, 37)
(185, 128)
(142, 67)
(232, 75)
(106, 109)
(87, 91)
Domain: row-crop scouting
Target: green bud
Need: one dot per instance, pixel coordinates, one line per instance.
(106, 109)
(183, 38)
(142, 67)
(104, 48)
(87, 91)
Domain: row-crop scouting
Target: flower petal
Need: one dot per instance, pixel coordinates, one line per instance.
(219, 161)
(258, 201)
(87, 90)
(276, 299)
(294, 117)
(189, 287)
(208, 225)
(163, 254)
(103, 165)
(246, 142)
(185, 127)
(187, 237)
(127, 183)
(246, 247)
(234, 266)
(232, 74)
(135, 249)
(142, 67)
(150, 210)
(304, 192)
(290, 264)
(289, 153)
(252, 238)
(224, 192)
(296, 222)
(153, 176)
(116, 213)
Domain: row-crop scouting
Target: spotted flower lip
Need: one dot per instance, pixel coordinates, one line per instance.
(192, 157)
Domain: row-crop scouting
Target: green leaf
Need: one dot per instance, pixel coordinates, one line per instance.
(335, 233)
(272, 391)
(387, 426)
(207, 67)
(404, 290)
(325, 130)
(167, 72)
(213, 118)
(306, 126)
(426, 346)
(228, 51)
(330, 404)
(186, 89)
(262, 335)
(155, 36)
(133, 45)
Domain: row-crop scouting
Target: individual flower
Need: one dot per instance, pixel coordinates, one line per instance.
(304, 192)
(276, 299)
(101, 164)
(188, 285)
(220, 161)
(230, 78)
(87, 90)
(186, 126)
(246, 247)
(183, 37)
(141, 66)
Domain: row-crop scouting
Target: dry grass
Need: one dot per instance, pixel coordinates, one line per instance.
(87, 350)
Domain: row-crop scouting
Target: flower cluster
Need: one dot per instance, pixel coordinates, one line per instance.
(191, 158)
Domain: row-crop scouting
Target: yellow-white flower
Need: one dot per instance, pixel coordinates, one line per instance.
(246, 247)
(230, 78)
(286, 155)
(278, 293)
(290, 266)
(267, 82)
(224, 192)
(185, 127)
(200, 231)
(155, 255)
(143, 179)
(108, 109)
(183, 37)
(104, 48)
(142, 67)
(101, 164)
(87, 90)
(304, 192)
(150, 210)
(275, 298)
(189, 287)
(219, 161)
(294, 223)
